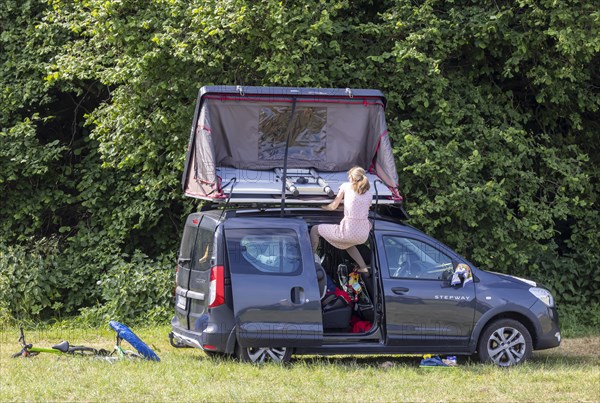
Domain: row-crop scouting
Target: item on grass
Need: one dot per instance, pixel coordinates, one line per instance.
(450, 361)
(127, 334)
(429, 362)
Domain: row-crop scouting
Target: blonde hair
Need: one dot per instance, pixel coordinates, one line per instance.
(360, 182)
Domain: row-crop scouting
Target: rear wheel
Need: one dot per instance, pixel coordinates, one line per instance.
(259, 355)
(505, 342)
(83, 350)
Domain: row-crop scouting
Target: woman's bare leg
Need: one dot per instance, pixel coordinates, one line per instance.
(355, 254)
(314, 238)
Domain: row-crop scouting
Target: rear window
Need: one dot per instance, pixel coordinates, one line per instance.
(260, 251)
(204, 245)
(187, 241)
(197, 243)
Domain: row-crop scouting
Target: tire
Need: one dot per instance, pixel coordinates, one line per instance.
(259, 355)
(126, 334)
(83, 350)
(132, 355)
(505, 343)
(19, 354)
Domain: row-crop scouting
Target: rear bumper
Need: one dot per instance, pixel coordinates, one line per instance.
(207, 334)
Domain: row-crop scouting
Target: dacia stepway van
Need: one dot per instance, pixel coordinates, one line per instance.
(263, 160)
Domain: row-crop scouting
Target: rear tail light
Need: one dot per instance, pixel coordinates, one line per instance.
(217, 287)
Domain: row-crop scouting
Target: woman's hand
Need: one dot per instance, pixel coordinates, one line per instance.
(335, 203)
(328, 207)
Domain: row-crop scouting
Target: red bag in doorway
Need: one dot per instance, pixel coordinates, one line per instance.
(343, 294)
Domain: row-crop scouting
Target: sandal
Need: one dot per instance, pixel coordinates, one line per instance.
(364, 270)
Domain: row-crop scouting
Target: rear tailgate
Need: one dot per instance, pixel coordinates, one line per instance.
(193, 269)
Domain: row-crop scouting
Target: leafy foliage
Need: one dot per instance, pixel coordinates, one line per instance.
(31, 283)
(129, 288)
(493, 109)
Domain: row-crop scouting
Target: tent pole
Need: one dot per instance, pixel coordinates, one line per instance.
(285, 155)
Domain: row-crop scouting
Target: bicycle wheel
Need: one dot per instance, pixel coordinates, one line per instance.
(24, 353)
(132, 355)
(83, 350)
(127, 334)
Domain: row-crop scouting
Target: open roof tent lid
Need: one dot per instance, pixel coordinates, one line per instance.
(238, 143)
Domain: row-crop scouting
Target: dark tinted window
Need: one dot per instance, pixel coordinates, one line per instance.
(262, 251)
(204, 245)
(187, 241)
(198, 238)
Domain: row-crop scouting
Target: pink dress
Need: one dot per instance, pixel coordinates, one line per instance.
(355, 226)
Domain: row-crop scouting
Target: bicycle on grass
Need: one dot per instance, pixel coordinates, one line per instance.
(64, 347)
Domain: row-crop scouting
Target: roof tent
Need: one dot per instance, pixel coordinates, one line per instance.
(246, 141)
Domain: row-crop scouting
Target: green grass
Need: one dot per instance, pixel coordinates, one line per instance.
(568, 373)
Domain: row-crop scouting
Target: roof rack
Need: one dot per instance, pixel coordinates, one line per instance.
(303, 187)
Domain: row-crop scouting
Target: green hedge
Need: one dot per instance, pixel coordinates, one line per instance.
(493, 110)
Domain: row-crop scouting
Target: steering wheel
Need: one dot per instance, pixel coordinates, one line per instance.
(404, 270)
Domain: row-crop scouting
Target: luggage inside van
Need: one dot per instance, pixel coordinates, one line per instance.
(348, 307)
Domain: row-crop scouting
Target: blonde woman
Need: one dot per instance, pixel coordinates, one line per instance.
(355, 226)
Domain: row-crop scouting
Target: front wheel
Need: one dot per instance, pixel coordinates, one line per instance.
(505, 342)
(258, 355)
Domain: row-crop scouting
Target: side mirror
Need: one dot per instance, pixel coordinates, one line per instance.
(462, 275)
(458, 276)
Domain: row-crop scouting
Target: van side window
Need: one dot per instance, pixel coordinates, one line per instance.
(411, 258)
(264, 251)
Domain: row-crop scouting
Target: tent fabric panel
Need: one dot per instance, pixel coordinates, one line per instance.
(327, 135)
(351, 135)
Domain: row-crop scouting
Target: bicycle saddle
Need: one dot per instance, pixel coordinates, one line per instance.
(63, 346)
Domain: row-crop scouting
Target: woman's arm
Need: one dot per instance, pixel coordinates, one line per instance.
(336, 202)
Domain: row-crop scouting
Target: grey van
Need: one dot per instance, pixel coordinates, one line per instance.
(248, 284)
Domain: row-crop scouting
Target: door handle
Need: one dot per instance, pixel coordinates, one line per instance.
(399, 290)
(297, 295)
